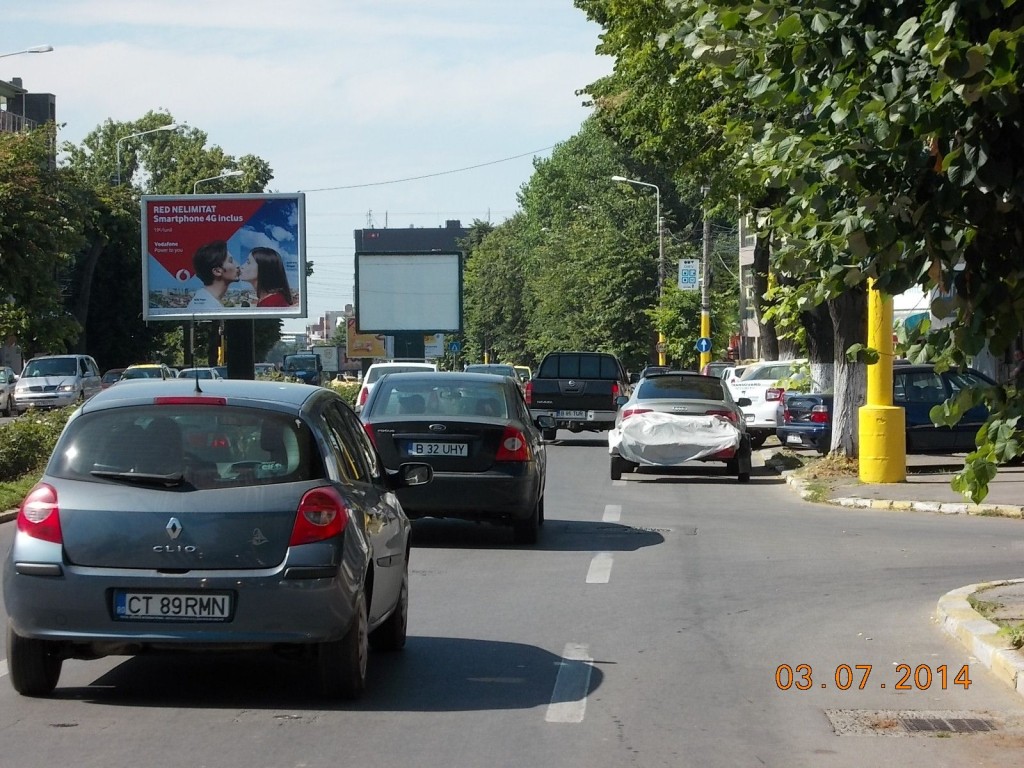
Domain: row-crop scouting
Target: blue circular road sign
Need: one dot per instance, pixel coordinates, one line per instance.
(703, 344)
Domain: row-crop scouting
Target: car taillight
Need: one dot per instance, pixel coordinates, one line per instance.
(633, 411)
(725, 415)
(362, 396)
(371, 433)
(787, 417)
(774, 393)
(321, 514)
(615, 394)
(819, 414)
(513, 446)
(39, 514)
(528, 393)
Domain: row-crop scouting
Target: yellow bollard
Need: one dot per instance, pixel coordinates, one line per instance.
(883, 448)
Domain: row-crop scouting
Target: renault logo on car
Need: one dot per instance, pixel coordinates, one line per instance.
(173, 528)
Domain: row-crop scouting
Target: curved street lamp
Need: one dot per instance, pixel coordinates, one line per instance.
(34, 49)
(169, 127)
(225, 175)
(661, 252)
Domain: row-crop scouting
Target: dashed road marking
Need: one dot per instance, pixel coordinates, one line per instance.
(600, 570)
(612, 513)
(569, 698)
(3, 667)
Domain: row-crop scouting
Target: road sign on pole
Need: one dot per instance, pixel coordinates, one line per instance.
(703, 344)
(454, 347)
(688, 272)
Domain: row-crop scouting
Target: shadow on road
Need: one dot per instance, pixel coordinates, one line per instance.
(555, 536)
(432, 674)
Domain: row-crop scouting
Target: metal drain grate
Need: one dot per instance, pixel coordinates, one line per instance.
(882, 722)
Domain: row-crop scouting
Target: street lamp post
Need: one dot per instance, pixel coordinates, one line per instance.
(34, 49)
(170, 127)
(225, 175)
(661, 253)
(705, 300)
(221, 346)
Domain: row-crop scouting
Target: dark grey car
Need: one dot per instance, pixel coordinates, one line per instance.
(245, 514)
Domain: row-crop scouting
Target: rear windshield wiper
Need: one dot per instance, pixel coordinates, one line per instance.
(141, 478)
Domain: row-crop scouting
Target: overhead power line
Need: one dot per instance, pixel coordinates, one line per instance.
(430, 175)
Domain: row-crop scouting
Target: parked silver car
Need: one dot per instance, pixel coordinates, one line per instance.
(249, 514)
(55, 381)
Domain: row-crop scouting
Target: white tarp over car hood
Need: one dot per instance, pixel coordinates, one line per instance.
(667, 439)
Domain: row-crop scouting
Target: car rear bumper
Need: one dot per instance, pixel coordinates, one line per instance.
(588, 421)
(496, 495)
(810, 435)
(268, 607)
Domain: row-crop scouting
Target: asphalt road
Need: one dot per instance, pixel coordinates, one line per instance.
(651, 626)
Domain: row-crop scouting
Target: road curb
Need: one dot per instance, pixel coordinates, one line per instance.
(945, 508)
(8, 515)
(980, 636)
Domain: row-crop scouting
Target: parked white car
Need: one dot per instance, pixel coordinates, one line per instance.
(8, 379)
(375, 371)
(762, 384)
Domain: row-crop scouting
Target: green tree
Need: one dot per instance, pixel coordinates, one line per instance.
(899, 160)
(39, 232)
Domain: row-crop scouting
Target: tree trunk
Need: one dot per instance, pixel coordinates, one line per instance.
(849, 317)
(766, 329)
(820, 347)
(80, 310)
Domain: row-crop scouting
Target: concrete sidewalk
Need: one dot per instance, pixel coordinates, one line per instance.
(927, 490)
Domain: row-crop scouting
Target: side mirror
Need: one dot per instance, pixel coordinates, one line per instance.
(410, 474)
(546, 421)
(743, 402)
(621, 400)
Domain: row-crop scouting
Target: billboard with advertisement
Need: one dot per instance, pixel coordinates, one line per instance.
(223, 256)
(363, 344)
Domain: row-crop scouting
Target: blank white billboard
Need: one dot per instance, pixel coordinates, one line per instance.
(398, 292)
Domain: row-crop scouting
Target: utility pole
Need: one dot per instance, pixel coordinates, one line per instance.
(705, 301)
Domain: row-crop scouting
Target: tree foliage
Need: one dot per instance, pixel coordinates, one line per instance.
(38, 237)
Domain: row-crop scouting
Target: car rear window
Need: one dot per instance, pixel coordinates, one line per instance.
(202, 446)
(773, 372)
(375, 373)
(457, 398)
(579, 366)
(681, 387)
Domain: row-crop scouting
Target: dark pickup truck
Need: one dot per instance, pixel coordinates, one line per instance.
(578, 389)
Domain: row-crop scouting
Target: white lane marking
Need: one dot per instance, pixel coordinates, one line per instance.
(612, 513)
(569, 698)
(3, 667)
(600, 570)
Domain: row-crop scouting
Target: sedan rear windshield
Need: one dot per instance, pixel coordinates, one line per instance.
(187, 445)
(454, 397)
(681, 387)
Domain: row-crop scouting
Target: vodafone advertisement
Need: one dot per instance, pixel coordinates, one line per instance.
(223, 256)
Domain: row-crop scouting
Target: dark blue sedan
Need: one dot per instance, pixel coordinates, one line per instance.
(806, 419)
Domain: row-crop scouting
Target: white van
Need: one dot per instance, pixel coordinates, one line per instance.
(377, 370)
(54, 381)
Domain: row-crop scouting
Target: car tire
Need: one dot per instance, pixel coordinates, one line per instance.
(343, 663)
(549, 434)
(616, 467)
(8, 407)
(526, 531)
(757, 440)
(540, 511)
(34, 665)
(391, 635)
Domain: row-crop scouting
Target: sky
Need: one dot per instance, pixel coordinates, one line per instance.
(347, 100)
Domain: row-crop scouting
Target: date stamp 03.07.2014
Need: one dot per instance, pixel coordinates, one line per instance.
(845, 677)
